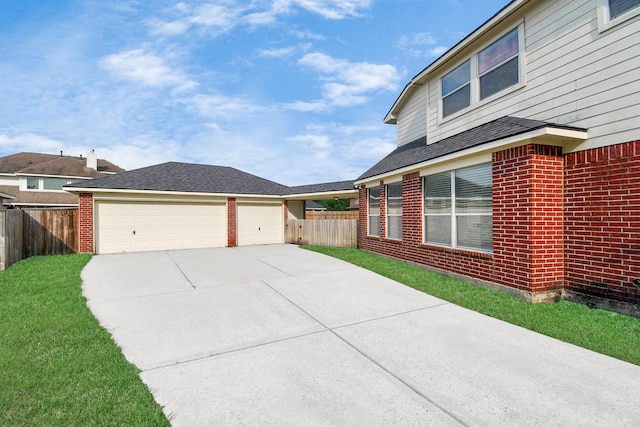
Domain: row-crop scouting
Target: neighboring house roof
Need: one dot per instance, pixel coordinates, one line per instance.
(310, 205)
(323, 187)
(52, 164)
(419, 151)
(39, 198)
(4, 195)
(196, 178)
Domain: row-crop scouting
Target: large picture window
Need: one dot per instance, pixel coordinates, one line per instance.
(394, 210)
(373, 208)
(458, 208)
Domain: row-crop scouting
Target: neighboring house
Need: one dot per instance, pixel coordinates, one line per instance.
(186, 206)
(518, 157)
(36, 180)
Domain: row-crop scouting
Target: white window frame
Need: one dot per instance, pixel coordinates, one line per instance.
(604, 20)
(371, 217)
(40, 179)
(389, 215)
(475, 77)
(453, 215)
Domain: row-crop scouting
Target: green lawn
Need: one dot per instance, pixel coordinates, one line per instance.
(58, 366)
(598, 330)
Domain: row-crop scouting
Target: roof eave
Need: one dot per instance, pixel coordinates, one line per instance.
(552, 135)
(78, 190)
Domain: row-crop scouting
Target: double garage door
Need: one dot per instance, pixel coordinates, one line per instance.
(136, 226)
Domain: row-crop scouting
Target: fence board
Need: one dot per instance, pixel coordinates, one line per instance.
(337, 233)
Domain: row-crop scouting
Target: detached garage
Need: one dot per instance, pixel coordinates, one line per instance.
(186, 206)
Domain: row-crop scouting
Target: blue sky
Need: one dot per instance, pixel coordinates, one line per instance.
(291, 90)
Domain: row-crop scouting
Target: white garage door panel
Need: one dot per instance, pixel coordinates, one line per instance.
(139, 226)
(260, 224)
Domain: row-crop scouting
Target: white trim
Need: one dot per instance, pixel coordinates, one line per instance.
(551, 135)
(83, 178)
(133, 199)
(300, 196)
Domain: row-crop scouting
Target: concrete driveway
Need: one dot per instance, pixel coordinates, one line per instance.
(276, 335)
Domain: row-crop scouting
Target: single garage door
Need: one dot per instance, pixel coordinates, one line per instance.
(152, 226)
(260, 223)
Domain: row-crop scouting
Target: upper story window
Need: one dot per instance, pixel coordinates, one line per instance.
(456, 89)
(490, 71)
(46, 184)
(614, 12)
(394, 210)
(498, 65)
(373, 208)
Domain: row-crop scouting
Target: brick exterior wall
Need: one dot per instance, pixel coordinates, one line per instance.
(85, 232)
(602, 222)
(232, 222)
(562, 224)
(527, 218)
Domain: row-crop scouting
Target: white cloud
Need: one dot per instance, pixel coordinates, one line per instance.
(284, 51)
(330, 9)
(31, 142)
(420, 45)
(347, 83)
(146, 68)
(222, 16)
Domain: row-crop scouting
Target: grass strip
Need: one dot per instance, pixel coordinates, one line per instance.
(602, 331)
(58, 366)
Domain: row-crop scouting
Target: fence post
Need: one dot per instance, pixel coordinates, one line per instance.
(3, 239)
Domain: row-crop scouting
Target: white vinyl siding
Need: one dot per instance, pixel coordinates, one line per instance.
(574, 75)
(123, 226)
(412, 121)
(458, 208)
(393, 197)
(373, 209)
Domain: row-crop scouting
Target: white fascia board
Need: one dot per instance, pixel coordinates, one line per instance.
(341, 194)
(84, 178)
(551, 135)
(78, 190)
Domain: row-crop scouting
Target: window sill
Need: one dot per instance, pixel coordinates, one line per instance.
(463, 252)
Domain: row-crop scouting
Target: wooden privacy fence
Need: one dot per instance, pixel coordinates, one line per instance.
(331, 215)
(30, 232)
(338, 233)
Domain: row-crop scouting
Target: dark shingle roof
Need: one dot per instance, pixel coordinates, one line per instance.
(187, 177)
(418, 151)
